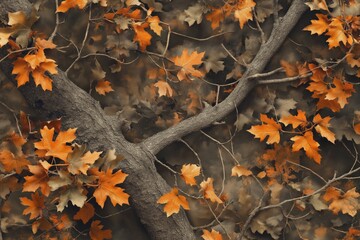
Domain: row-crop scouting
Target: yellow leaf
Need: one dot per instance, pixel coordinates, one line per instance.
(310, 146)
(173, 201)
(189, 172)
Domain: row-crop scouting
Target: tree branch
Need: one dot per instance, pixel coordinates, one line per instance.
(210, 115)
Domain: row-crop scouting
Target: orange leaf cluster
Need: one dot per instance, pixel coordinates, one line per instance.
(347, 203)
(36, 64)
(103, 87)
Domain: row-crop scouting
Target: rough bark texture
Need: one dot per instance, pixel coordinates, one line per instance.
(78, 109)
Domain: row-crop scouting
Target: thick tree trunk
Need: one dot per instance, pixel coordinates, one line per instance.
(78, 109)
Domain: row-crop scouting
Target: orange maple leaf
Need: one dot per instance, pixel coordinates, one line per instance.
(269, 128)
(103, 87)
(213, 235)
(318, 26)
(57, 148)
(61, 222)
(141, 36)
(243, 11)
(37, 64)
(322, 127)
(35, 205)
(187, 62)
(208, 190)
(173, 201)
(107, 187)
(85, 213)
(189, 172)
(10, 162)
(295, 121)
(164, 89)
(154, 24)
(240, 171)
(337, 34)
(67, 4)
(310, 146)
(342, 91)
(39, 179)
(98, 233)
(347, 203)
(215, 17)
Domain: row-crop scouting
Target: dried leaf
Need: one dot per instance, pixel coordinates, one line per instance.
(98, 233)
(208, 190)
(322, 127)
(269, 128)
(240, 171)
(295, 121)
(187, 62)
(85, 213)
(173, 201)
(243, 11)
(103, 87)
(35, 205)
(67, 4)
(189, 172)
(310, 146)
(213, 235)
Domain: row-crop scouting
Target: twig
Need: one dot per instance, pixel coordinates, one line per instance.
(57, 22)
(283, 80)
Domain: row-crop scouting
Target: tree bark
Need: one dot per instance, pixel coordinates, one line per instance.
(99, 132)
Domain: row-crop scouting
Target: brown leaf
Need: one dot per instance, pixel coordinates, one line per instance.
(85, 213)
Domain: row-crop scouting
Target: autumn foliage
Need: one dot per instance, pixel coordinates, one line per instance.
(269, 170)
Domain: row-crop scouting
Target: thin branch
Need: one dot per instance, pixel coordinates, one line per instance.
(57, 22)
(200, 39)
(284, 80)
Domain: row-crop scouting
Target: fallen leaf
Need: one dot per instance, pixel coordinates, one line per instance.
(173, 201)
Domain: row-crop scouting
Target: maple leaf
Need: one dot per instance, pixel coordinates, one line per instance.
(240, 171)
(322, 127)
(173, 201)
(39, 179)
(342, 91)
(164, 88)
(141, 36)
(346, 203)
(61, 222)
(269, 128)
(37, 64)
(79, 163)
(189, 172)
(187, 62)
(103, 87)
(310, 146)
(107, 187)
(317, 5)
(318, 26)
(154, 24)
(357, 128)
(98, 233)
(10, 162)
(215, 17)
(213, 235)
(295, 121)
(35, 205)
(57, 148)
(75, 195)
(243, 11)
(85, 213)
(336, 33)
(208, 190)
(67, 4)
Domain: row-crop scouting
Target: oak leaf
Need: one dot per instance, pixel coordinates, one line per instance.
(58, 148)
(310, 146)
(39, 179)
(107, 187)
(295, 121)
(173, 201)
(98, 233)
(243, 11)
(103, 87)
(67, 4)
(213, 235)
(187, 62)
(240, 171)
(322, 127)
(347, 203)
(85, 213)
(207, 189)
(269, 128)
(35, 205)
(189, 172)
